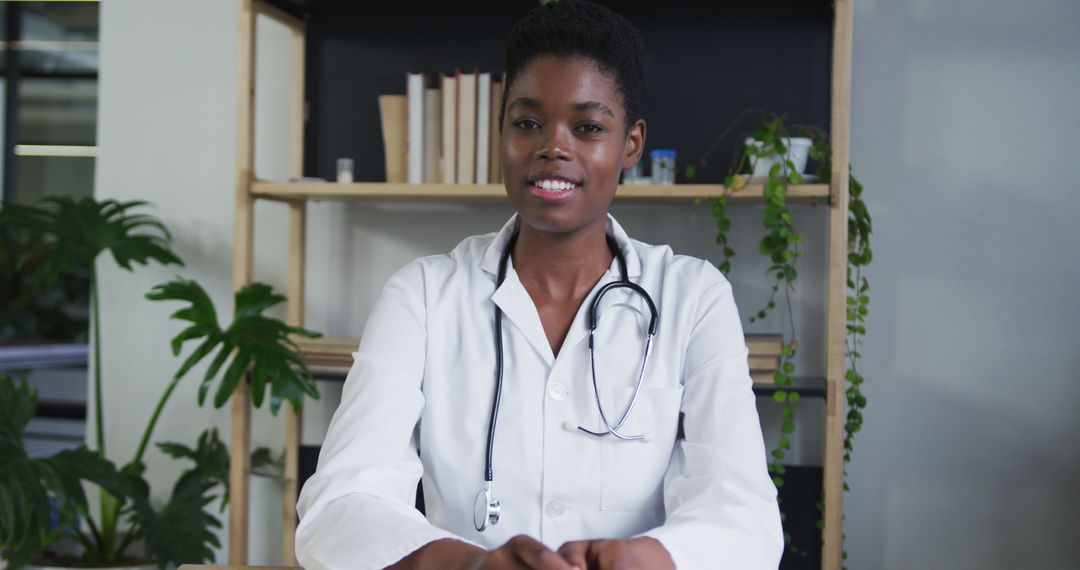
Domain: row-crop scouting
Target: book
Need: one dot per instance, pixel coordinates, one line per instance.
(448, 154)
(763, 378)
(495, 157)
(466, 147)
(414, 93)
(326, 345)
(765, 344)
(483, 126)
(432, 133)
(392, 114)
(764, 363)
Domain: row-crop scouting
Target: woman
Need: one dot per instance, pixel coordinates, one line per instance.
(591, 472)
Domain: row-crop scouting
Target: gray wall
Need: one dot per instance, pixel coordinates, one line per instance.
(965, 124)
(962, 127)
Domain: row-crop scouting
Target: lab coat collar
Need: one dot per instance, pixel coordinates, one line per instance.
(489, 262)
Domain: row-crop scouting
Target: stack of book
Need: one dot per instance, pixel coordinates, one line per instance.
(327, 353)
(443, 131)
(764, 356)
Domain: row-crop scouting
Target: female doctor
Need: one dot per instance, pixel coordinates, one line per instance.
(545, 424)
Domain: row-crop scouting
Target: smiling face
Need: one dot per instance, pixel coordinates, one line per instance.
(565, 143)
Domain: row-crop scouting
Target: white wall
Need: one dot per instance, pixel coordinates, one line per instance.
(958, 110)
(965, 124)
(166, 134)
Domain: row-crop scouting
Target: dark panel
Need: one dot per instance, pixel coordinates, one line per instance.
(705, 63)
(798, 498)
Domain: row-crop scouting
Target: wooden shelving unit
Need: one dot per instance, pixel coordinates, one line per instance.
(298, 194)
(302, 191)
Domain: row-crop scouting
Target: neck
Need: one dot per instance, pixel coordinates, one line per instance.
(562, 264)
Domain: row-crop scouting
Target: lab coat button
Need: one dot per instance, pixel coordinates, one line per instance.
(558, 391)
(555, 508)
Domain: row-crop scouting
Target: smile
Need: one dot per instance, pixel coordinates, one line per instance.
(553, 190)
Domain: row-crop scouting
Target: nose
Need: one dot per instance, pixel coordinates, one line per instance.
(556, 144)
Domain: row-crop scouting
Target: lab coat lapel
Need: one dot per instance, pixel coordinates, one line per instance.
(518, 307)
(580, 329)
(520, 311)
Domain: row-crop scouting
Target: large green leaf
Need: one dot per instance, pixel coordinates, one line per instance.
(79, 230)
(252, 343)
(181, 531)
(32, 310)
(38, 495)
(211, 458)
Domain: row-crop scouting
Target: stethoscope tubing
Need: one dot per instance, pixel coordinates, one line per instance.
(493, 506)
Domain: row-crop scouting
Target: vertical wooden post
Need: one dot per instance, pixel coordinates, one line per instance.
(297, 266)
(239, 456)
(832, 553)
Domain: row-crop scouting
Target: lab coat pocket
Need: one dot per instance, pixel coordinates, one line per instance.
(632, 472)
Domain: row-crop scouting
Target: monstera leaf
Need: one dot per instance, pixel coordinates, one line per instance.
(211, 458)
(81, 229)
(39, 497)
(181, 531)
(253, 341)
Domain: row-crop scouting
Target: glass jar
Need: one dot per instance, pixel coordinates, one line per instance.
(663, 166)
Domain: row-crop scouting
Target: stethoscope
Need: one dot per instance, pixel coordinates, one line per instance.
(486, 510)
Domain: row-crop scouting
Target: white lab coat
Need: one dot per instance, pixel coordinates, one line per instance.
(417, 400)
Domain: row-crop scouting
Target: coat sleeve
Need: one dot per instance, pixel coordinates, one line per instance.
(358, 509)
(719, 498)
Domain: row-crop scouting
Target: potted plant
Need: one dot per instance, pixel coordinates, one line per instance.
(779, 152)
(41, 499)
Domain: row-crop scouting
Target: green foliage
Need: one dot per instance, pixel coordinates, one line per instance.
(43, 499)
(78, 230)
(211, 458)
(781, 245)
(181, 531)
(265, 464)
(40, 498)
(252, 340)
(35, 311)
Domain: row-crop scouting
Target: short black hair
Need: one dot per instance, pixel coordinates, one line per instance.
(568, 28)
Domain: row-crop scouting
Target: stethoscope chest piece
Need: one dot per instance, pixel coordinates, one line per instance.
(486, 510)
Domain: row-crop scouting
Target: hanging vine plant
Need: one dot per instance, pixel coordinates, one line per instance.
(770, 141)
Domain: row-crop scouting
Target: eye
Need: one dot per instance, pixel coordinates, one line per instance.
(591, 128)
(526, 124)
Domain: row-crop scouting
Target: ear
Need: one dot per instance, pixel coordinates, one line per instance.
(635, 144)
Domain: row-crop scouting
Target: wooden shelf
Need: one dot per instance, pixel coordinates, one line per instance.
(303, 191)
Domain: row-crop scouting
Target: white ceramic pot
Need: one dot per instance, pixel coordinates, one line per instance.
(798, 153)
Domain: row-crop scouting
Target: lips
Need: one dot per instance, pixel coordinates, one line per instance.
(555, 194)
(553, 188)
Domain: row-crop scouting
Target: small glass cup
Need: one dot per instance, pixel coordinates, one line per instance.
(663, 166)
(345, 170)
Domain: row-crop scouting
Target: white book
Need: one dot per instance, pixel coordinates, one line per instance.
(448, 156)
(483, 126)
(414, 94)
(466, 147)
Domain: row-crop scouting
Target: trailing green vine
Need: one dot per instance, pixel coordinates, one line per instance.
(781, 245)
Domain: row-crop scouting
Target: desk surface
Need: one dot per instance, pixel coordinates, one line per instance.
(212, 567)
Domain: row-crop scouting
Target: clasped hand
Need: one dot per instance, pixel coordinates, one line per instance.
(525, 552)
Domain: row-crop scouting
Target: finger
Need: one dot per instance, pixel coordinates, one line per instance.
(612, 555)
(535, 555)
(575, 553)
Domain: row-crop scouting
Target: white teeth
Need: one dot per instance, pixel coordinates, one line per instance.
(558, 185)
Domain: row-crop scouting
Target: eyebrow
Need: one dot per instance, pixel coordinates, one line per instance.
(585, 106)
